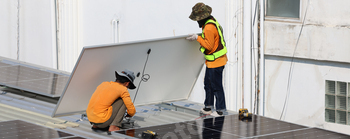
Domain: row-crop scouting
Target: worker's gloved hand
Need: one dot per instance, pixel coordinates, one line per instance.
(192, 37)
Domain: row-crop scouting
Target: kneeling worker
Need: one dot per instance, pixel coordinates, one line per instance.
(110, 100)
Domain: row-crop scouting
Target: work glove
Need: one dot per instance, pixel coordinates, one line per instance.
(192, 37)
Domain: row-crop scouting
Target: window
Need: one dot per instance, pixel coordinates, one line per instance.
(337, 109)
(283, 8)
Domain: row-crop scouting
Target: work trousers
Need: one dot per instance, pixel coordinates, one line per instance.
(213, 88)
(116, 118)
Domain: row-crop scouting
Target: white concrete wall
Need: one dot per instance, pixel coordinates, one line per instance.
(8, 25)
(69, 32)
(87, 23)
(324, 36)
(321, 54)
(305, 103)
(141, 20)
(34, 42)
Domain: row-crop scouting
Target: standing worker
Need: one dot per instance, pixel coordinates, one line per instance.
(110, 100)
(213, 47)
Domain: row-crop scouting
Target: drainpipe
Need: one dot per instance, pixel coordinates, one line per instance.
(262, 58)
(247, 38)
(57, 32)
(18, 7)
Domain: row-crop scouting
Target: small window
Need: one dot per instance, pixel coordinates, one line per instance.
(337, 103)
(283, 8)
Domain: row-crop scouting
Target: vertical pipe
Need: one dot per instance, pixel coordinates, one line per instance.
(255, 58)
(262, 58)
(115, 23)
(237, 72)
(113, 27)
(18, 6)
(247, 34)
(56, 30)
(117, 30)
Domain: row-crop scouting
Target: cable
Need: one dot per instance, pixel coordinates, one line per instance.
(291, 63)
(144, 77)
(202, 116)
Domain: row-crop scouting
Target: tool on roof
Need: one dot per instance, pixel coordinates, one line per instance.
(244, 115)
(148, 134)
(128, 123)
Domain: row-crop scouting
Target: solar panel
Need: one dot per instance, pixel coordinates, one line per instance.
(32, 79)
(25, 130)
(173, 66)
(230, 127)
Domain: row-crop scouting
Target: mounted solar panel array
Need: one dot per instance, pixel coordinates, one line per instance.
(31, 78)
(18, 129)
(230, 127)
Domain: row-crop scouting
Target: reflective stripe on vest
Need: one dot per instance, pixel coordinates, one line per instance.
(219, 53)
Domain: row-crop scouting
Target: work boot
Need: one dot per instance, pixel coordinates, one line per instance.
(217, 114)
(206, 110)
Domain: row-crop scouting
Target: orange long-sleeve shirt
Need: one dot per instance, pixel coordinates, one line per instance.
(211, 43)
(99, 109)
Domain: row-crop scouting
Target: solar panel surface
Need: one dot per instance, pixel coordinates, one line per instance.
(19, 129)
(32, 79)
(230, 127)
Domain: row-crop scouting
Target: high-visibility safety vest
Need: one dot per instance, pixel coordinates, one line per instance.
(221, 49)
